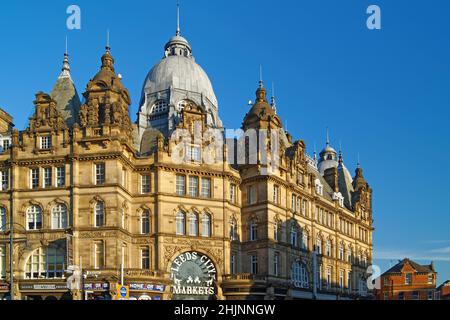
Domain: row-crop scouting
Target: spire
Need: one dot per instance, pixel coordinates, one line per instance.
(341, 158)
(273, 102)
(261, 83)
(359, 163)
(328, 137)
(66, 66)
(178, 19)
(108, 47)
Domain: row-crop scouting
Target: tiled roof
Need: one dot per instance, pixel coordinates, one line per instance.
(418, 267)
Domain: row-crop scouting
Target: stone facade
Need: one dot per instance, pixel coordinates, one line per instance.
(84, 198)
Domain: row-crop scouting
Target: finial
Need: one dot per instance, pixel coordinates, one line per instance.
(66, 66)
(359, 162)
(273, 103)
(178, 19)
(108, 47)
(341, 158)
(315, 152)
(261, 84)
(328, 137)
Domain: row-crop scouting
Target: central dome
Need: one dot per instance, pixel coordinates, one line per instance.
(179, 72)
(174, 82)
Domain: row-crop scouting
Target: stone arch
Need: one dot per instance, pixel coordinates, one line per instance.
(193, 248)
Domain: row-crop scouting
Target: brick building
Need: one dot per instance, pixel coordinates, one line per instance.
(408, 280)
(443, 291)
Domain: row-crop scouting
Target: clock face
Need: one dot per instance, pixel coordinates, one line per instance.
(193, 276)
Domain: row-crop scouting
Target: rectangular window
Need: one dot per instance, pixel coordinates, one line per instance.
(386, 296)
(34, 178)
(251, 195)
(60, 177)
(293, 202)
(206, 188)
(145, 184)
(193, 186)
(276, 191)
(98, 255)
(415, 295)
(6, 144)
(2, 262)
(145, 258)
(341, 279)
(233, 264)
(254, 264)
(430, 295)
(194, 154)
(46, 142)
(4, 180)
(233, 193)
(304, 208)
(181, 185)
(276, 264)
(329, 274)
(408, 278)
(99, 174)
(401, 296)
(47, 177)
(430, 278)
(349, 281)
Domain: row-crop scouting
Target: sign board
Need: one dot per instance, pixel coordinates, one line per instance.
(147, 287)
(43, 287)
(123, 292)
(96, 286)
(194, 275)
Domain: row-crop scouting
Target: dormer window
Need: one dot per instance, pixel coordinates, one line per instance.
(319, 187)
(338, 196)
(46, 142)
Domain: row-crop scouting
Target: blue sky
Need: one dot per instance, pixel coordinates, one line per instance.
(383, 94)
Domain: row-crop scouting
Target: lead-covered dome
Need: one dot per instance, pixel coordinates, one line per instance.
(174, 82)
(179, 72)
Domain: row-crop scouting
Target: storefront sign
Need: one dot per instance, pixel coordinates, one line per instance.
(96, 286)
(193, 274)
(147, 287)
(43, 287)
(4, 287)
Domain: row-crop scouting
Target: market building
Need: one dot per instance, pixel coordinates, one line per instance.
(408, 280)
(88, 192)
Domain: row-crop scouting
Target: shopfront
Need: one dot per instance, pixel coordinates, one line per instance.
(193, 276)
(146, 291)
(45, 291)
(4, 291)
(97, 291)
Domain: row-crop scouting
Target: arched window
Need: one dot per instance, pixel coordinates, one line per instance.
(328, 248)
(34, 218)
(145, 222)
(299, 275)
(341, 252)
(181, 223)
(99, 214)
(59, 217)
(233, 230)
(2, 219)
(193, 224)
(319, 245)
(206, 225)
(253, 230)
(45, 263)
(294, 236)
(305, 240)
(159, 106)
